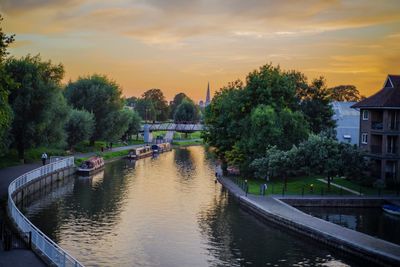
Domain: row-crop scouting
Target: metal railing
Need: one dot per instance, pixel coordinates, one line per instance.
(48, 247)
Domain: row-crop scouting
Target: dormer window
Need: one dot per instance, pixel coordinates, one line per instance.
(365, 115)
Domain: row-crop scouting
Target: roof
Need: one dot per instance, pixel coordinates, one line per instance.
(344, 109)
(388, 96)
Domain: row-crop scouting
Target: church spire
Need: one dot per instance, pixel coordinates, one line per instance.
(208, 95)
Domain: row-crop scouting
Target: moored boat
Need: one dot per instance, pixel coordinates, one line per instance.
(91, 166)
(140, 152)
(391, 209)
(161, 148)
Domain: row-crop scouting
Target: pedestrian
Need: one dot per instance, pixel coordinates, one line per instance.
(44, 158)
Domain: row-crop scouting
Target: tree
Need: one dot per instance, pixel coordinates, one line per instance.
(133, 125)
(186, 112)
(79, 127)
(118, 124)
(342, 93)
(314, 104)
(131, 101)
(157, 97)
(146, 109)
(40, 110)
(176, 102)
(101, 97)
(6, 85)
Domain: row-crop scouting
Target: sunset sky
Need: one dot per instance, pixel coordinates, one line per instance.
(180, 45)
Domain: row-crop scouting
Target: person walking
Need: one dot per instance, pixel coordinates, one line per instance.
(44, 158)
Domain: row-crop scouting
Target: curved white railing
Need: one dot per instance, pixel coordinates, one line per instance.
(47, 246)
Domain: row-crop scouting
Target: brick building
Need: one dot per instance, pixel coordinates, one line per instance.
(380, 130)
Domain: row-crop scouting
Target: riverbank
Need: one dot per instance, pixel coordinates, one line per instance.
(273, 210)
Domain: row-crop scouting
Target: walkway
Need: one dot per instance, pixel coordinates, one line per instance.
(342, 187)
(348, 240)
(25, 257)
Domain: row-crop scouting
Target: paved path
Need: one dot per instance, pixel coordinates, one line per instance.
(24, 257)
(328, 232)
(342, 187)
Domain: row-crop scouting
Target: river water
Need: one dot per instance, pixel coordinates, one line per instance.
(166, 211)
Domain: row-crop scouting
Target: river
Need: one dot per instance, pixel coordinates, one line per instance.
(166, 211)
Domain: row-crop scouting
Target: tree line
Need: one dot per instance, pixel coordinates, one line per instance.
(153, 106)
(278, 123)
(36, 109)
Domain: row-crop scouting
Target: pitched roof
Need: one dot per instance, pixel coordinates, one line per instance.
(388, 96)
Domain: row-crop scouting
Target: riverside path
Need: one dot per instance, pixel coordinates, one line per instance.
(350, 241)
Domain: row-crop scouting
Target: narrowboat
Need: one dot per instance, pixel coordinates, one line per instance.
(391, 209)
(91, 166)
(140, 152)
(161, 148)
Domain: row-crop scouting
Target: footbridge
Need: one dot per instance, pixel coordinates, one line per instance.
(178, 127)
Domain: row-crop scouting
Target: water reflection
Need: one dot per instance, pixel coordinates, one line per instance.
(166, 211)
(372, 221)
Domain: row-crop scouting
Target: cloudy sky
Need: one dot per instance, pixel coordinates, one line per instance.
(180, 45)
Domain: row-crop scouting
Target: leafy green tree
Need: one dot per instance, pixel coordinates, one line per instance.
(146, 109)
(101, 97)
(314, 104)
(176, 102)
(131, 101)
(40, 110)
(345, 93)
(118, 125)
(186, 112)
(6, 85)
(133, 125)
(79, 127)
(157, 97)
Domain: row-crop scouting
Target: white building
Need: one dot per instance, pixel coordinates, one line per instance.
(347, 122)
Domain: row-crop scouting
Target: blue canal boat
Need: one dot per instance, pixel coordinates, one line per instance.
(392, 209)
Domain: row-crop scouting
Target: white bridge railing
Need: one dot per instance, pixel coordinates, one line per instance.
(48, 247)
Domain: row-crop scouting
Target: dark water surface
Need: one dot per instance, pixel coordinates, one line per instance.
(166, 211)
(371, 221)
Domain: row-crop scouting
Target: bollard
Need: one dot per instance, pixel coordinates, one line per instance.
(302, 191)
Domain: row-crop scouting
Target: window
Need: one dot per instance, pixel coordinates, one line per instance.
(365, 115)
(364, 138)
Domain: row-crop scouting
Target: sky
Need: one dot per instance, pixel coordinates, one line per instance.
(180, 45)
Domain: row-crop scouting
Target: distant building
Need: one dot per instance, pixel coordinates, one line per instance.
(380, 129)
(203, 104)
(208, 99)
(347, 122)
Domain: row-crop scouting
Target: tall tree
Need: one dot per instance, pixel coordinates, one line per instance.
(146, 109)
(102, 97)
(186, 112)
(314, 103)
(40, 110)
(133, 125)
(157, 97)
(176, 102)
(344, 93)
(6, 85)
(79, 127)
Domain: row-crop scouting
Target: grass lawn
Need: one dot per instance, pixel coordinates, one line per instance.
(105, 155)
(295, 186)
(31, 155)
(370, 191)
(85, 146)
